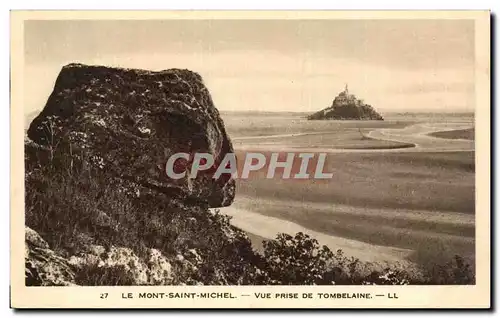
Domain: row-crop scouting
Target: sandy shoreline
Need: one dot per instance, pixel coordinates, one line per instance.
(265, 226)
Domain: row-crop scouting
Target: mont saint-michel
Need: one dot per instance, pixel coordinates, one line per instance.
(347, 106)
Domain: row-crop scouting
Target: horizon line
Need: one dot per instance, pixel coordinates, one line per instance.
(461, 111)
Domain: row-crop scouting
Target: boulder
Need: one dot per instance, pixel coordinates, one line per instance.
(126, 123)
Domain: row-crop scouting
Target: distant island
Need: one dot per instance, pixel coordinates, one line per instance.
(346, 107)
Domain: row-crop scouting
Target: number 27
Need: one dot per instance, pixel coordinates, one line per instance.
(104, 295)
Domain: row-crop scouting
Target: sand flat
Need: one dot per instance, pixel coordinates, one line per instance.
(382, 205)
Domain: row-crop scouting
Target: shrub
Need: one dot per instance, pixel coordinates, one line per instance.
(457, 271)
(297, 260)
(300, 260)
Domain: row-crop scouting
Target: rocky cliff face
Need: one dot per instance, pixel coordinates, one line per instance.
(100, 209)
(43, 266)
(347, 106)
(128, 122)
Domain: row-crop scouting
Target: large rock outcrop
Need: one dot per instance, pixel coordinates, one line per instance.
(347, 107)
(100, 209)
(127, 122)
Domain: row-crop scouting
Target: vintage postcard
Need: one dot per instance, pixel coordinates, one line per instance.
(239, 159)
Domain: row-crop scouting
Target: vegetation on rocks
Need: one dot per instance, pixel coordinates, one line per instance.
(99, 211)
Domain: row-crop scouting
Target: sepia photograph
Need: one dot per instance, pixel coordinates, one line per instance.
(262, 151)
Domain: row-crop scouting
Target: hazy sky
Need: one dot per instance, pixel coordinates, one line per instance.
(273, 65)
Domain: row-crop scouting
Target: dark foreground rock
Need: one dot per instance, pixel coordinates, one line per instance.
(347, 107)
(127, 122)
